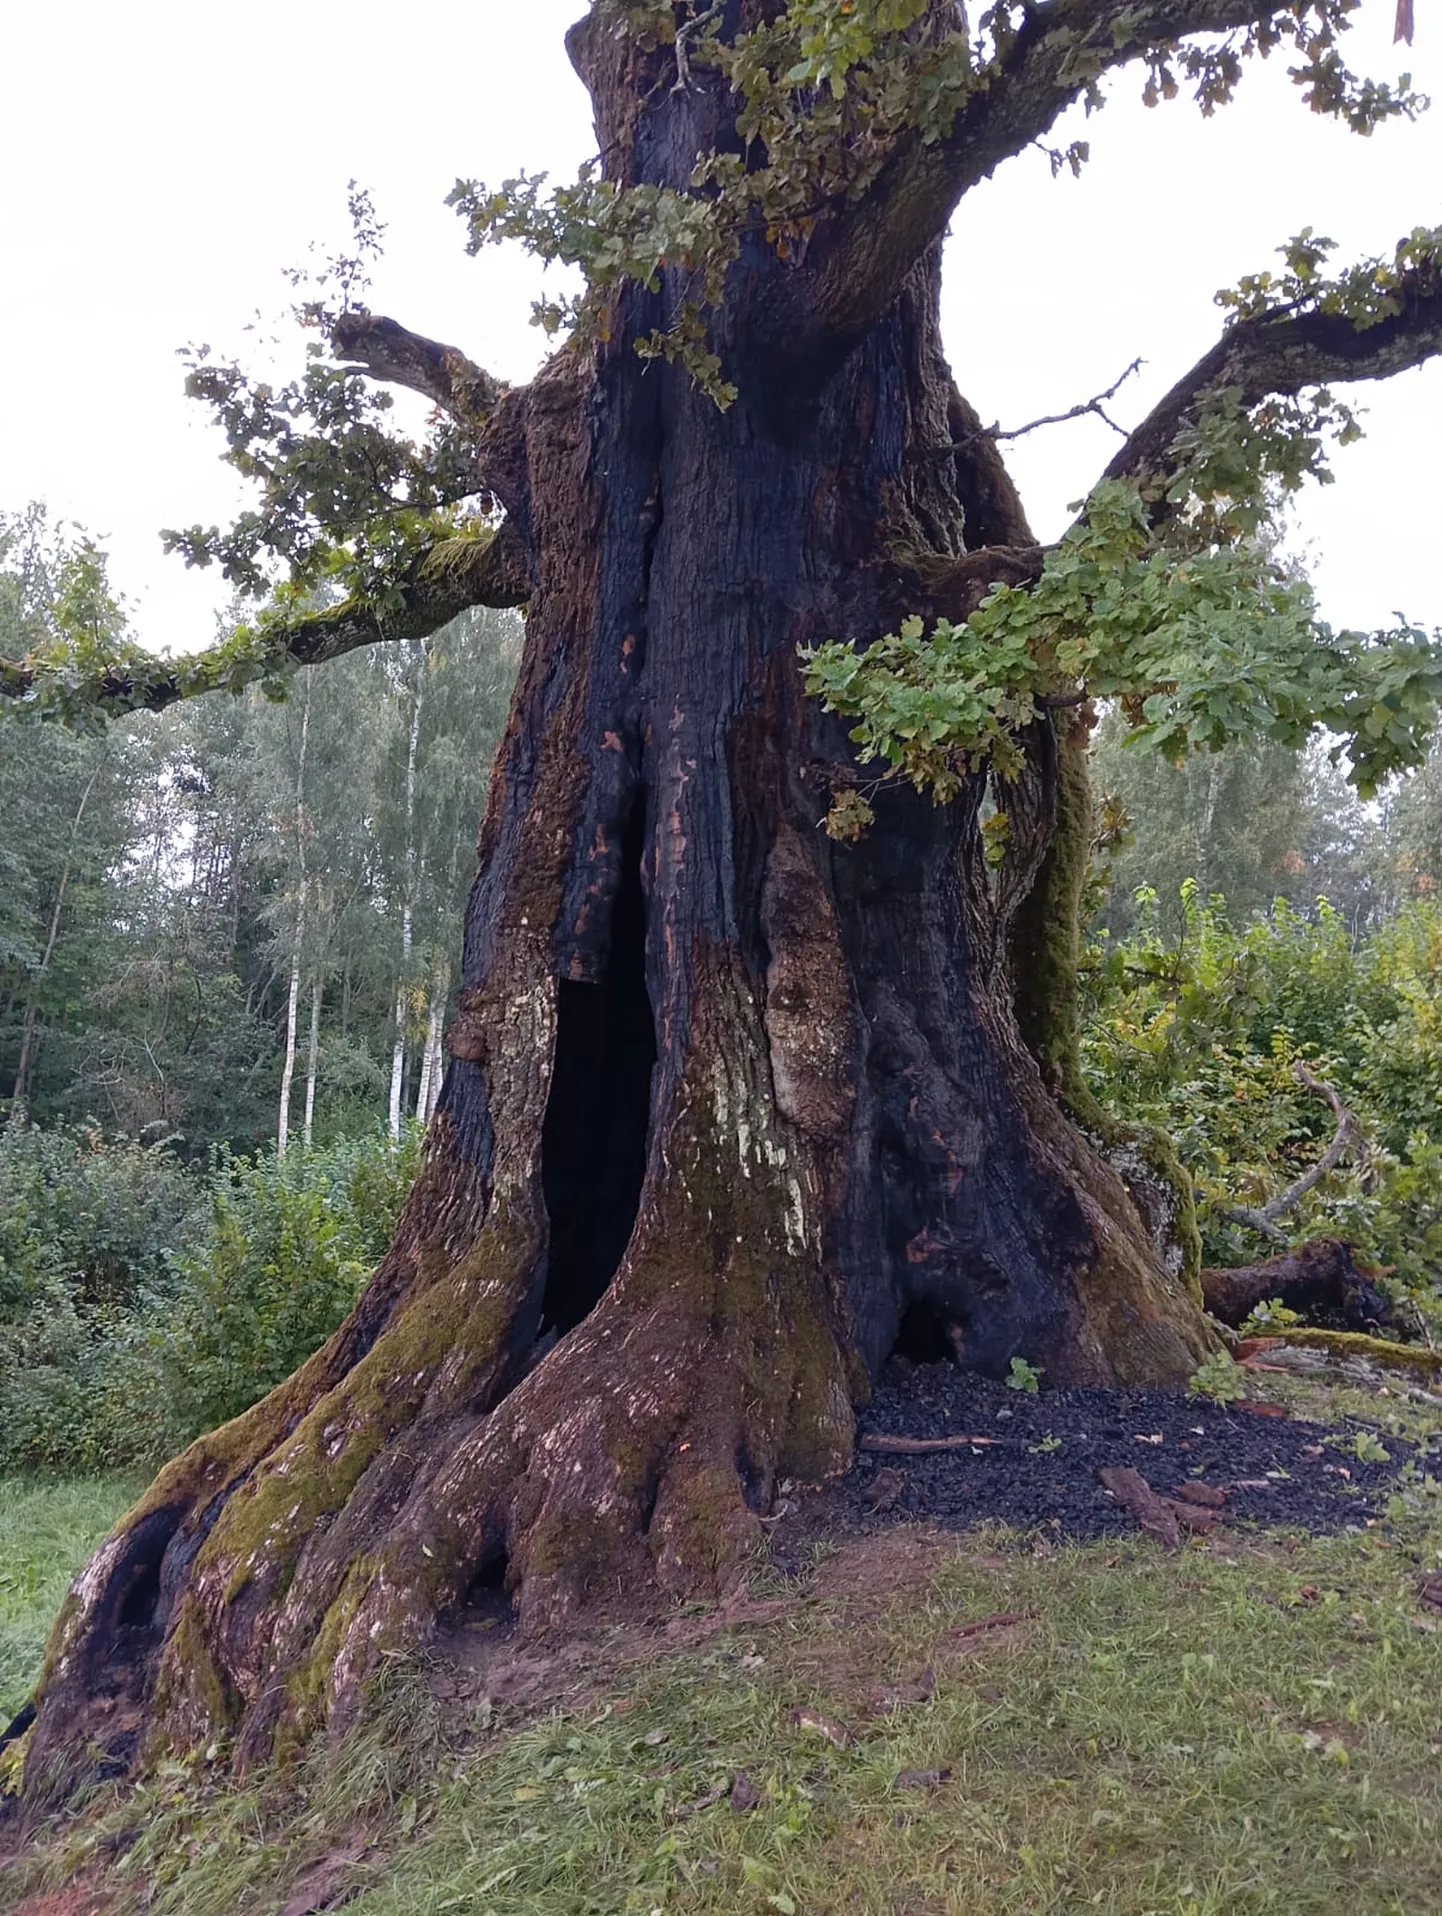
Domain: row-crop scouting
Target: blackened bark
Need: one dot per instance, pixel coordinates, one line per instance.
(731, 1109)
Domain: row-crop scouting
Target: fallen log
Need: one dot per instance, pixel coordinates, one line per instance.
(1320, 1276)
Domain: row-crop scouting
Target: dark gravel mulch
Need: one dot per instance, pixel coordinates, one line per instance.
(1276, 1470)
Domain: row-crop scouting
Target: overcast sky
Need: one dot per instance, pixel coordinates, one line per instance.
(162, 163)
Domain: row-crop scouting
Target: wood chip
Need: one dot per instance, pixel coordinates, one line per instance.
(1212, 1496)
(883, 1698)
(921, 1779)
(1134, 1493)
(802, 1718)
(914, 1446)
(1193, 1517)
(884, 1489)
(744, 1794)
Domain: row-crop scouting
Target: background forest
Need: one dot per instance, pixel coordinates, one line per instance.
(228, 936)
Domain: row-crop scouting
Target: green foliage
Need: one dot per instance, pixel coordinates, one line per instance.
(1219, 1379)
(1202, 643)
(1269, 1318)
(140, 1304)
(292, 1243)
(88, 1229)
(1023, 1376)
(1197, 1032)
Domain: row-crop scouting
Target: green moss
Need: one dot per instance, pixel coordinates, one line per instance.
(1382, 1350)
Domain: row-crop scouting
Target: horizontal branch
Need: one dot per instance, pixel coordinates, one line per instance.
(1059, 54)
(449, 577)
(1283, 355)
(443, 374)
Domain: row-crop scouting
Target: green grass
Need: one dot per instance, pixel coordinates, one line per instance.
(47, 1530)
(1253, 1724)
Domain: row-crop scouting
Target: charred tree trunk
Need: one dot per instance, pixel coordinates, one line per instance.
(732, 1110)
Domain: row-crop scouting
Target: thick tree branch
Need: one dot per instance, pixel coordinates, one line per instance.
(387, 351)
(1347, 1135)
(445, 580)
(1061, 50)
(1284, 355)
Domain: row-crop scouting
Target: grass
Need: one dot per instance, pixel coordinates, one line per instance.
(47, 1530)
(1253, 1724)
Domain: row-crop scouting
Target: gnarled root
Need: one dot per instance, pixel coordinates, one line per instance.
(278, 1562)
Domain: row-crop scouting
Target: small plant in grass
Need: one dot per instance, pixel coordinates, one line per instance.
(1219, 1379)
(1023, 1376)
(1269, 1318)
(1369, 1449)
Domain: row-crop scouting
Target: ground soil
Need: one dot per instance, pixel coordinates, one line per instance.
(1277, 1470)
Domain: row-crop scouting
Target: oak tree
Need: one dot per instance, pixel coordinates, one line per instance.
(765, 1060)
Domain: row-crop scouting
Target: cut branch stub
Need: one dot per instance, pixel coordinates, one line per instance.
(390, 352)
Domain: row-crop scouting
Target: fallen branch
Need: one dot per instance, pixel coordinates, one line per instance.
(914, 1446)
(998, 1620)
(1350, 1344)
(1348, 1134)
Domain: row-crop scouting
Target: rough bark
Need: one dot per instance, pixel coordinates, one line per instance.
(732, 1111)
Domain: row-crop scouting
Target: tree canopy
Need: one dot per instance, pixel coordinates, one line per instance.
(859, 126)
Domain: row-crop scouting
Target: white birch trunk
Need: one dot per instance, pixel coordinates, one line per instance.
(430, 1084)
(310, 1066)
(287, 1076)
(398, 1054)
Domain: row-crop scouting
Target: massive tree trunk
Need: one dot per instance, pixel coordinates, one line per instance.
(732, 1109)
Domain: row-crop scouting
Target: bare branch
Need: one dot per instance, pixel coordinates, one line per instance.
(1285, 354)
(1094, 406)
(443, 582)
(1348, 1135)
(387, 351)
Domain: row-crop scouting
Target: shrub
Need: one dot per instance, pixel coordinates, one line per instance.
(141, 1304)
(1198, 1035)
(292, 1244)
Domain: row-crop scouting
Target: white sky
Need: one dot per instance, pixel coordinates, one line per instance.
(161, 163)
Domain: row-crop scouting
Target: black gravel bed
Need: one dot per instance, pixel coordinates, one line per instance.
(1278, 1471)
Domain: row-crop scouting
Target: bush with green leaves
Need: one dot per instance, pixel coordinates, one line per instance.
(292, 1243)
(1199, 1032)
(88, 1231)
(141, 1304)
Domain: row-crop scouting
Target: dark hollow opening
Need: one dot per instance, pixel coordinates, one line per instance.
(486, 1594)
(593, 1142)
(927, 1334)
(142, 1596)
